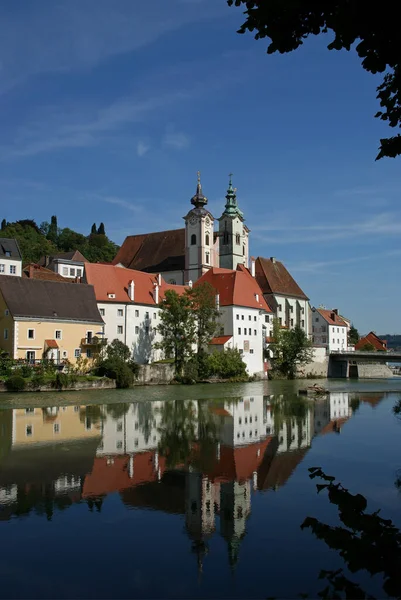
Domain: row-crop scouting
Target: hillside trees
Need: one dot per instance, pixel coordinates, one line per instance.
(374, 29)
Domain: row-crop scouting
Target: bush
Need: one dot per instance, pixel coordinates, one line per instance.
(15, 383)
(38, 380)
(26, 370)
(64, 380)
(227, 364)
(116, 368)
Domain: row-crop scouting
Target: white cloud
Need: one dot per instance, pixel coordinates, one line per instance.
(175, 139)
(142, 148)
(321, 266)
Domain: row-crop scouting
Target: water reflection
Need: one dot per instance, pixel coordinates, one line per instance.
(201, 459)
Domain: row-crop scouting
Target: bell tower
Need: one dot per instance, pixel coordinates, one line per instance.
(233, 233)
(200, 253)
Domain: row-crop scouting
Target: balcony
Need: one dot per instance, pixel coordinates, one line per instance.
(93, 340)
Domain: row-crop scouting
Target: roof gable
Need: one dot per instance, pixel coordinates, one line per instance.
(235, 288)
(153, 252)
(35, 271)
(331, 317)
(371, 338)
(9, 249)
(274, 278)
(49, 299)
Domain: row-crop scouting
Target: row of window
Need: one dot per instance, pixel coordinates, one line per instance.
(246, 419)
(12, 269)
(255, 331)
(250, 318)
(120, 313)
(71, 272)
(58, 334)
(280, 308)
(225, 239)
(243, 434)
(120, 330)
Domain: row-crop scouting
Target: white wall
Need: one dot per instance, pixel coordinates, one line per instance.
(10, 266)
(339, 405)
(235, 318)
(68, 270)
(332, 337)
(138, 323)
(247, 424)
(292, 312)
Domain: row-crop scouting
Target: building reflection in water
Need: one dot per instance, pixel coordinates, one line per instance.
(201, 459)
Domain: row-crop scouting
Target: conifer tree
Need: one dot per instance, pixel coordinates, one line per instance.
(101, 229)
(94, 229)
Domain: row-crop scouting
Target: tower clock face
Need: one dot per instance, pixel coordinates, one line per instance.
(207, 221)
(193, 220)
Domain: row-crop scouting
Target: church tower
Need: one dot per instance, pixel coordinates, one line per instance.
(233, 233)
(200, 252)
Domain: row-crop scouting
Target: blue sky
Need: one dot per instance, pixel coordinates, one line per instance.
(108, 109)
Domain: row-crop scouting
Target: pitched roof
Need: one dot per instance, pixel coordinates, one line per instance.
(9, 249)
(274, 278)
(111, 279)
(153, 252)
(220, 340)
(35, 271)
(51, 343)
(235, 288)
(74, 255)
(371, 338)
(331, 317)
(49, 299)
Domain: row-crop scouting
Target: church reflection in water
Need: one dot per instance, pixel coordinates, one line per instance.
(201, 459)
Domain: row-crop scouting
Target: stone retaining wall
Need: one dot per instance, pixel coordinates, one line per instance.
(98, 384)
(156, 374)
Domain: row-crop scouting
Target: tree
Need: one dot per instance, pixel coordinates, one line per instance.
(368, 347)
(226, 364)
(288, 23)
(290, 349)
(203, 300)
(3, 224)
(353, 335)
(117, 350)
(101, 230)
(52, 234)
(94, 228)
(177, 328)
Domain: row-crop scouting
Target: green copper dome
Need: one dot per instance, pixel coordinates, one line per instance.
(231, 208)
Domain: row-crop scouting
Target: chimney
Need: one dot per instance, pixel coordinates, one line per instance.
(47, 260)
(156, 292)
(131, 290)
(335, 311)
(273, 259)
(333, 316)
(252, 266)
(31, 271)
(190, 284)
(218, 301)
(257, 297)
(159, 279)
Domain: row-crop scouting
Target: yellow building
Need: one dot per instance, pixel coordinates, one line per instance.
(48, 319)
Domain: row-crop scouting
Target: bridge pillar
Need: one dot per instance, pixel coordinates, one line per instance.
(338, 369)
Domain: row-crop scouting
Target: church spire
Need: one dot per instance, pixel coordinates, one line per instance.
(199, 200)
(231, 208)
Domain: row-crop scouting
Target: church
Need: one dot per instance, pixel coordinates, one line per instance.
(184, 255)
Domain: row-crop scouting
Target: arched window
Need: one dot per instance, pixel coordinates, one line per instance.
(193, 240)
(225, 238)
(207, 258)
(207, 240)
(238, 239)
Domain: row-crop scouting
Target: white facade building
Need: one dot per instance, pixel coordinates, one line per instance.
(10, 257)
(329, 330)
(67, 264)
(128, 303)
(243, 314)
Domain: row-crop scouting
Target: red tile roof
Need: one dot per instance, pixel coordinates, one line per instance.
(331, 317)
(35, 271)
(221, 340)
(51, 343)
(274, 278)
(235, 288)
(371, 338)
(153, 252)
(334, 425)
(110, 279)
(238, 463)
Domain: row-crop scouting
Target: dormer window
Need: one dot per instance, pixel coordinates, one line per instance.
(193, 240)
(111, 295)
(7, 253)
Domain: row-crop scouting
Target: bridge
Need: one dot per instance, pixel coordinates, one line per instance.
(362, 364)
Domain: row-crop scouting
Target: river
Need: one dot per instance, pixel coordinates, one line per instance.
(188, 491)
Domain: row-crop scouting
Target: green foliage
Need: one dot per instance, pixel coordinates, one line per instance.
(94, 228)
(117, 350)
(38, 380)
(368, 347)
(46, 240)
(290, 349)
(3, 224)
(203, 304)
(101, 230)
(375, 32)
(15, 383)
(177, 328)
(366, 542)
(226, 364)
(25, 370)
(64, 380)
(6, 364)
(353, 335)
(118, 365)
(118, 410)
